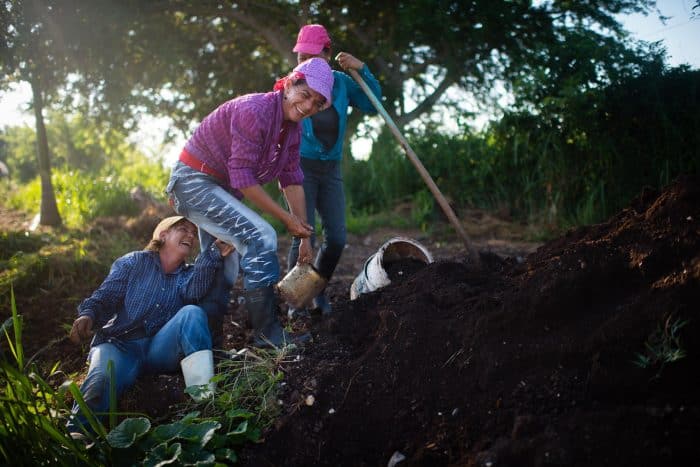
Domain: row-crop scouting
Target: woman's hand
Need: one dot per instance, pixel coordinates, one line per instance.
(82, 329)
(224, 248)
(306, 253)
(347, 61)
(298, 227)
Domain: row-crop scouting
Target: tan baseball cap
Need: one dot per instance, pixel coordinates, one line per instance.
(165, 224)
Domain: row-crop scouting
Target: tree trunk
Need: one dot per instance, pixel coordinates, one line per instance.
(48, 214)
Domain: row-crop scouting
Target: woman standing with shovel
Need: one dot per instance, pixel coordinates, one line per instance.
(321, 151)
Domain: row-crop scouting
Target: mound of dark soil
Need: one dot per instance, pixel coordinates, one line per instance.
(516, 363)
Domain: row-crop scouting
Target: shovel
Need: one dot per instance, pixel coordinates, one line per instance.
(473, 254)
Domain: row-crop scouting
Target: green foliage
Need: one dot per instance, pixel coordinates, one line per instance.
(572, 168)
(361, 222)
(186, 441)
(82, 197)
(663, 346)
(32, 413)
(57, 261)
(376, 183)
(11, 243)
(248, 383)
(75, 142)
(18, 151)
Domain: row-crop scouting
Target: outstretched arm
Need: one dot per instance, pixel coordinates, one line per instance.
(356, 95)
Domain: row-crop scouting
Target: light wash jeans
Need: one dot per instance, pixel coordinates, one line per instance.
(218, 213)
(183, 334)
(323, 190)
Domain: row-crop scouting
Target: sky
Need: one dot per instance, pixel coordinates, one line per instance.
(680, 34)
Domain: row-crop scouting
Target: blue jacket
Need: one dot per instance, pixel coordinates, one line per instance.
(346, 93)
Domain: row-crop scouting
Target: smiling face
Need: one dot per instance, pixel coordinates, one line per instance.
(181, 237)
(300, 101)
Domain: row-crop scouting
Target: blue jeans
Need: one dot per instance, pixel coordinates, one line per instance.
(201, 199)
(323, 190)
(183, 334)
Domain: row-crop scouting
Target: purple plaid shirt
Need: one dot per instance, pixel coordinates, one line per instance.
(242, 139)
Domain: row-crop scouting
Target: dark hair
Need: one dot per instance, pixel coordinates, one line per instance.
(295, 77)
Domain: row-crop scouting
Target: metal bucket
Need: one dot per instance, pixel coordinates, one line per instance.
(374, 275)
(301, 284)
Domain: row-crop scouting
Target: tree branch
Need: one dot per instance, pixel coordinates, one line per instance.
(427, 103)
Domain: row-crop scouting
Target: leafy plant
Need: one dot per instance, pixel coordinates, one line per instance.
(248, 382)
(245, 401)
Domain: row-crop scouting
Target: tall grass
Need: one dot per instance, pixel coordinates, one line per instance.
(32, 413)
(574, 159)
(84, 196)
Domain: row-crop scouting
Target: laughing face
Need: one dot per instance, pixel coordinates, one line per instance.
(300, 101)
(180, 237)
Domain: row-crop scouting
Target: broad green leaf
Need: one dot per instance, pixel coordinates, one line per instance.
(168, 432)
(128, 431)
(163, 455)
(227, 454)
(197, 457)
(241, 428)
(200, 433)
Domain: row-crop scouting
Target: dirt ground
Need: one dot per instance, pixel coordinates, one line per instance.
(529, 360)
(519, 363)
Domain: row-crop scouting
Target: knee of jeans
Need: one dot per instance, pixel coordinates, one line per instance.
(268, 238)
(193, 313)
(94, 389)
(264, 242)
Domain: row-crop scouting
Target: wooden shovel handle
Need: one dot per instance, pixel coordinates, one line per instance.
(473, 253)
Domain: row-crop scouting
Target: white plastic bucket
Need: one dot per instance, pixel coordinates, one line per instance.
(374, 276)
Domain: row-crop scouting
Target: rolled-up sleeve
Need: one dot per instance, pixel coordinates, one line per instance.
(203, 273)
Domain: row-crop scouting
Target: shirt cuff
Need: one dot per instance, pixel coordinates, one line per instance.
(88, 313)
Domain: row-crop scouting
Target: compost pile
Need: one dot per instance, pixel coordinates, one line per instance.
(585, 353)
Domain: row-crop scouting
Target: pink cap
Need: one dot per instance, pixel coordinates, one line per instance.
(318, 75)
(312, 39)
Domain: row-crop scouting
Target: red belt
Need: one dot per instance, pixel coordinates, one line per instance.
(196, 164)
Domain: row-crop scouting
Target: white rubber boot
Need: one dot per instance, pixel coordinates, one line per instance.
(198, 369)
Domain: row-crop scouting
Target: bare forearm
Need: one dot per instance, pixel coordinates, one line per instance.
(296, 225)
(294, 194)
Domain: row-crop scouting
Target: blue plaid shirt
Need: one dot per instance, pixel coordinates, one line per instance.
(138, 295)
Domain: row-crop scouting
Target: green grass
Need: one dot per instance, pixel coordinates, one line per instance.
(32, 412)
(663, 346)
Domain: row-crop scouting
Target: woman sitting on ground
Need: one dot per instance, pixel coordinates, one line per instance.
(145, 317)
